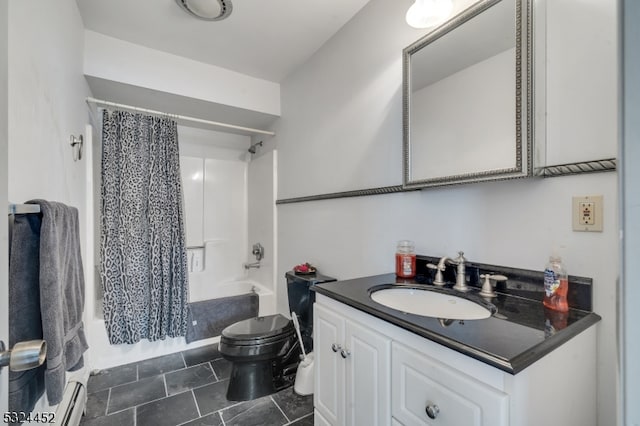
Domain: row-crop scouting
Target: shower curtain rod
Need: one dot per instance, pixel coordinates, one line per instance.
(179, 117)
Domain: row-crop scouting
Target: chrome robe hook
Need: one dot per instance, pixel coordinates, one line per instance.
(76, 147)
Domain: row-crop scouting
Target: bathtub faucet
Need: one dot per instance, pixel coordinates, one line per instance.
(252, 265)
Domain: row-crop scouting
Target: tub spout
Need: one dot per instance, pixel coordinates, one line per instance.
(252, 265)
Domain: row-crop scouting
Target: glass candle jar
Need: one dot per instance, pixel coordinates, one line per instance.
(405, 259)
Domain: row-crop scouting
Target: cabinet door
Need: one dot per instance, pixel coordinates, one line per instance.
(368, 373)
(328, 398)
(451, 397)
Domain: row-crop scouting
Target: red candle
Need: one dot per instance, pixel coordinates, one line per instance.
(405, 259)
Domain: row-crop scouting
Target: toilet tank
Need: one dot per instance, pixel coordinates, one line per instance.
(301, 300)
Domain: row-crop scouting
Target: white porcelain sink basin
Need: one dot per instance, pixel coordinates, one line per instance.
(430, 303)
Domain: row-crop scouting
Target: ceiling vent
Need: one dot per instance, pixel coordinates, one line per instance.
(208, 10)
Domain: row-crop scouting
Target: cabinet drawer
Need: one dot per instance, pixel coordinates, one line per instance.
(420, 381)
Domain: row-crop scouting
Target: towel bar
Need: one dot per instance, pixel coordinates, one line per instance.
(24, 355)
(24, 208)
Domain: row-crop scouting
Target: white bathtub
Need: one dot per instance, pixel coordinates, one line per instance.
(205, 291)
(104, 355)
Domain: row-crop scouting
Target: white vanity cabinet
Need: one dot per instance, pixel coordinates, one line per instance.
(426, 390)
(352, 371)
(390, 376)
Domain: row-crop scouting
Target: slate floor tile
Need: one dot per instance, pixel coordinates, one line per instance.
(222, 367)
(212, 419)
(173, 396)
(136, 393)
(212, 397)
(202, 354)
(159, 365)
(259, 412)
(293, 405)
(170, 411)
(110, 377)
(122, 418)
(305, 421)
(189, 378)
(97, 404)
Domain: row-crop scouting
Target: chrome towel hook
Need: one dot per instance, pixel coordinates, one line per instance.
(76, 146)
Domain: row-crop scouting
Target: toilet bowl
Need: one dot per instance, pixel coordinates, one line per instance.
(264, 355)
(265, 351)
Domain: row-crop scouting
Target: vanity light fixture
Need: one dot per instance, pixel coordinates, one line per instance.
(208, 10)
(429, 13)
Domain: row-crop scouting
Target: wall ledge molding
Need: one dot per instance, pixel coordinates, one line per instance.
(596, 166)
(346, 194)
(605, 165)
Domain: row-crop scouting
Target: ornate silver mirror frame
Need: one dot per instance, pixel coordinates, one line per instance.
(519, 160)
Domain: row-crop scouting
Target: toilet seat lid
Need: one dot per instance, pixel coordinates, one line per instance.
(259, 327)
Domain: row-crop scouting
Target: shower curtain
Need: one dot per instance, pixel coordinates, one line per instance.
(143, 261)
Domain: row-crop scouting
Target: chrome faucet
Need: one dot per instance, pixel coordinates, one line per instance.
(490, 280)
(461, 275)
(258, 252)
(440, 267)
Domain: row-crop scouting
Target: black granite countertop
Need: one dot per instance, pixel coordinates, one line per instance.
(520, 331)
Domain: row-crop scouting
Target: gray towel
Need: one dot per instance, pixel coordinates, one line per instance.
(61, 294)
(25, 387)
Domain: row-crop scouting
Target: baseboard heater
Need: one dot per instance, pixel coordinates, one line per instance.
(71, 408)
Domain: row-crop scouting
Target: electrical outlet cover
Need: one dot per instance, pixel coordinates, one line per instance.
(587, 213)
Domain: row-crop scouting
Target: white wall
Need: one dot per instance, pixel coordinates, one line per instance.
(116, 60)
(46, 105)
(262, 217)
(46, 101)
(341, 130)
(342, 119)
(4, 243)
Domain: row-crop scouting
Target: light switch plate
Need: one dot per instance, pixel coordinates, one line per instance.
(587, 213)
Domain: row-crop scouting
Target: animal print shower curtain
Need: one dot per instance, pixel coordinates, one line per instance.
(143, 261)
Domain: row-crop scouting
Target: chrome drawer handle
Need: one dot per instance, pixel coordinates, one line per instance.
(432, 411)
(345, 353)
(335, 347)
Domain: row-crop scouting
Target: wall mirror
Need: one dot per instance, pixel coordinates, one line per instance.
(467, 98)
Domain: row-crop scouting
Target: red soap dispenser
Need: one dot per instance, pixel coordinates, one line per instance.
(556, 285)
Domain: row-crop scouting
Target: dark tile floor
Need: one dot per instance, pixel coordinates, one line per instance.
(186, 388)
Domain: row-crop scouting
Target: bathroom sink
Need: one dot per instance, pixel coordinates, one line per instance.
(430, 303)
